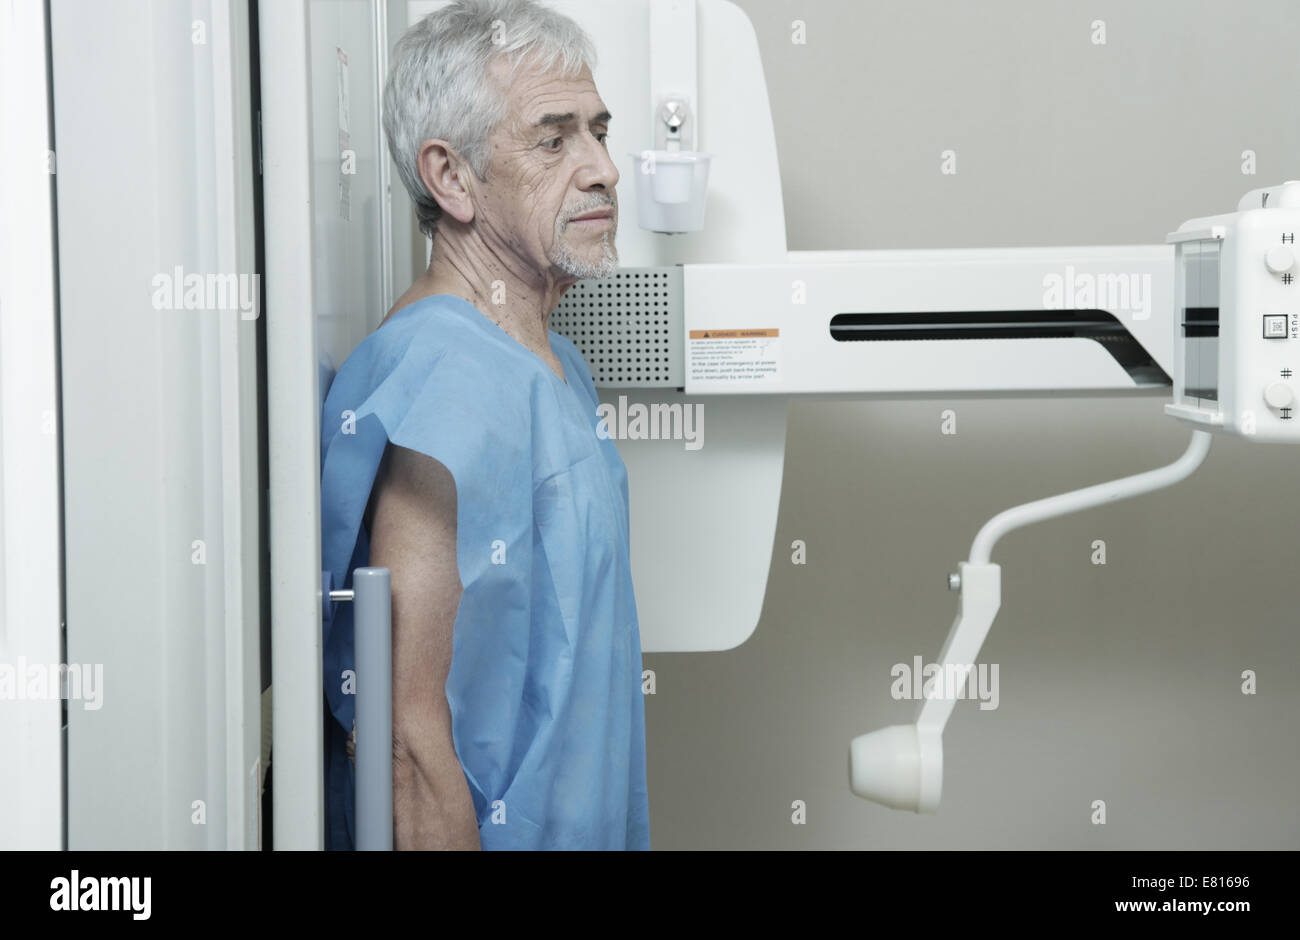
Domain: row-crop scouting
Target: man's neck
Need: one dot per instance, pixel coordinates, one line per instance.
(520, 308)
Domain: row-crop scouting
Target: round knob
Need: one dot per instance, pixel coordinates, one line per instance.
(1279, 395)
(1279, 259)
(673, 114)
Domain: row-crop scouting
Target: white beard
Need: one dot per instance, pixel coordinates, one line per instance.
(583, 266)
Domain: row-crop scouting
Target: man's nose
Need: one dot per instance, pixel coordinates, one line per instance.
(600, 169)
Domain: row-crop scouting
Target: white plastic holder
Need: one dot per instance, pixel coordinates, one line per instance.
(672, 189)
(901, 766)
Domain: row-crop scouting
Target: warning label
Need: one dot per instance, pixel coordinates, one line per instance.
(734, 355)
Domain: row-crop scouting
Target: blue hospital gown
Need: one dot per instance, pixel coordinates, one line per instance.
(544, 686)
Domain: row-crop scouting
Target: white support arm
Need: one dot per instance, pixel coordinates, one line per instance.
(902, 765)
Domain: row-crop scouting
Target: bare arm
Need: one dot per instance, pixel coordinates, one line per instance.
(413, 534)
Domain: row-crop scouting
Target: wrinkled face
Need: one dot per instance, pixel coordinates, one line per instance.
(549, 166)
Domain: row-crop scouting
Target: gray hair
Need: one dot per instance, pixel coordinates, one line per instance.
(439, 86)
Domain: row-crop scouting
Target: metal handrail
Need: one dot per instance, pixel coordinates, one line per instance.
(372, 630)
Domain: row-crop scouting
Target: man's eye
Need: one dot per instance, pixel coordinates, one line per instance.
(559, 140)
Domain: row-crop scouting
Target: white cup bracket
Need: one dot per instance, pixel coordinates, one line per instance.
(671, 189)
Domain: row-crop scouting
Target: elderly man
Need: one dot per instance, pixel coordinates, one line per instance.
(460, 451)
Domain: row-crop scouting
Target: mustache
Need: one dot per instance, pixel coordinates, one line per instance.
(607, 204)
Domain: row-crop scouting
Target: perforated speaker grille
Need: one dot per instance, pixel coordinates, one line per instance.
(628, 327)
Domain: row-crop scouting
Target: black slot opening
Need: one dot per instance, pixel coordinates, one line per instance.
(1097, 325)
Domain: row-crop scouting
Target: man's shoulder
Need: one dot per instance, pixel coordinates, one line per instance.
(436, 343)
(426, 368)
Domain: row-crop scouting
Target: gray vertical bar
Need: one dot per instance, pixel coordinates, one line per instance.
(372, 641)
(1189, 276)
(1211, 258)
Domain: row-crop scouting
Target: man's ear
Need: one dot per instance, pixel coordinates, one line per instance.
(443, 172)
